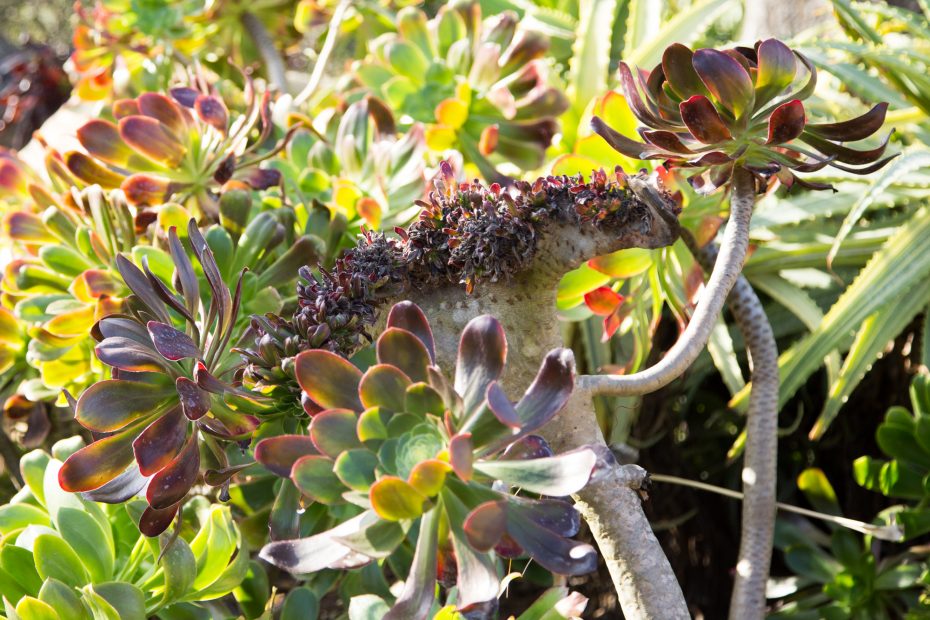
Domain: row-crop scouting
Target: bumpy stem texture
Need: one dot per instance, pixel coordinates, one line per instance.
(761, 451)
(725, 273)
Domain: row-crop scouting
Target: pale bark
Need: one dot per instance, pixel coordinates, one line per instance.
(526, 307)
(760, 467)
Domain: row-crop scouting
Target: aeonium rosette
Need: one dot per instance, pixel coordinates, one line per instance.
(404, 445)
(171, 390)
(180, 147)
(712, 110)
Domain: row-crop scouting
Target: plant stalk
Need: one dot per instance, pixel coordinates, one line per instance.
(725, 273)
(760, 459)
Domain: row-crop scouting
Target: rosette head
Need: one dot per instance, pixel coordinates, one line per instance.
(714, 110)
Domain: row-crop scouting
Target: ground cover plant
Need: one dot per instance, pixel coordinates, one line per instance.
(448, 310)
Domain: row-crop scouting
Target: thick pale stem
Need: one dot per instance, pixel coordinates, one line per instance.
(274, 65)
(725, 273)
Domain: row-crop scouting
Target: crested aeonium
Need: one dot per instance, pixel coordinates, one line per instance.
(712, 110)
(170, 390)
(405, 446)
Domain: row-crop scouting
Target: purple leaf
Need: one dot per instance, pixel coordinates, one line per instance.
(111, 404)
(195, 402)
(726, 79)
(557, 476)
(786, 122)
(680, 73)
(702, 120)
(481, 357)
(171, 484)
(549, 391)
(278, 454)
(153, 521)
(777, 67)
(171, 343)
(529, 447)
(619, 142)
(501, 406)
(328, 379)
(854, 129)
(95, 465)
(159, 443)
(383, 385)
(407, 315)
(129, 355)
(555, 553)
(845, 154)
(333, 431)
(120, 489)
(404, 350)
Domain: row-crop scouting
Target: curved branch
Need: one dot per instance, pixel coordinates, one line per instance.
(274, 64)
(725, 273)
(761, 453)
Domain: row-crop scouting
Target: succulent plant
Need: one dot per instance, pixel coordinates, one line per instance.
(480, 85)
(406, 445)
(356, 164)
(171, 389)
(64, 557)
(33, 85)
(712, 110)
(465, 234)
(179, 147)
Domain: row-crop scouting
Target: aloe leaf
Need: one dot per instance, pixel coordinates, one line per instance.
(907, 162)
(645, 42)
(872, 337)
(892, 273)
(589, 64)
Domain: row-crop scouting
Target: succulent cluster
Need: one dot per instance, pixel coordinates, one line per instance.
(465, 234)
(712, 110)
(66, 558)
(480, 85)
(406, 445)
(178, 147)
(169, 392)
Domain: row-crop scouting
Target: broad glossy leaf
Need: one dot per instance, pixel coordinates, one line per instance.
(406, 351)
(603, 300)
(63, 599)
(56, 559)
(102, 140)
(428, 477)
(160, 442)
(128, 354)
(394, 499)
(422, 399)
(212, 111)
(147, 137)
(30, 608)
(383, 385)
(726, 79)
(549, 391)
(786, 122)
(334, 431)
(461, 456)
(300, 604)
(623, 263)
(112, 404)
(703, 121)
(486, 524)
(171, 343)
(356, 468)
(553, 514)
(91, 467)
(125, 598)
(558, 475)
(279, 454)
(557, 554)
(680, 73)
(146, 189)
(86, 537)
(120, 489)
(309, 555)
(328, 379)
(408, 316)
(315, 478)
(529, 447)
(19, 564)
(195, 401)
(17, 516)
(372, 425)
(501, 406)
(375, 538)
(481, 357)
(776, 69)
(171, 484)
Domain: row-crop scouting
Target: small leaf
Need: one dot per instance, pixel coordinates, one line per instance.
(356, 469)
(171, 343)
(333, 432)
(160, 442)
(786, 122)
(171, 484)
(726, 79)
(383, 385)
(407, 315)
(279, 454)
(461, 457)
(328, 379)
(702, 120)
(315, 478)
(558, 476)
(403, 349)
(395, 499)
(428, 477)
(481, 357)
(603, 300)
(56, 559)
(195, 401)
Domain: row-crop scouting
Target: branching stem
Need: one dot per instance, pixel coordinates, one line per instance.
(725, 273)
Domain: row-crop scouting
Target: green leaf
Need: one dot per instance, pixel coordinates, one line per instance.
(367, 607)
(125, 598)
(20, 565)
(301, 604)
(32, 465)
(86, 537)
(180, 570)
(720, 347)
(17, 516)
(576, 283)
(356, 468)
(812, 563)
(213, 546)
(63, 599)
(99, 607)
(686, 26)
(33, 609)
(254, 592)
(589, 64)
(56, 559)
(395, 499)
(556, 476)
(315, 478)
(818, 491)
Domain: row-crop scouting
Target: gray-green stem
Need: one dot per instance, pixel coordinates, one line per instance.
(725, 273)
(760, 468)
